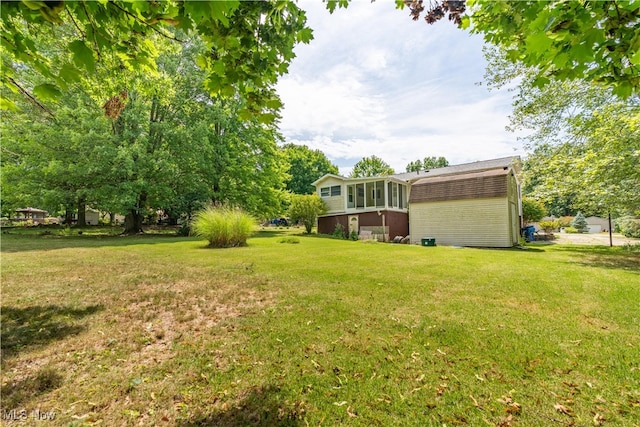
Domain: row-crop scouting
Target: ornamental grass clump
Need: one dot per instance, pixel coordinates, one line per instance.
(223, 226)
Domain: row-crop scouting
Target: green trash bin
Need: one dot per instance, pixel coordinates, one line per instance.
(428, 241)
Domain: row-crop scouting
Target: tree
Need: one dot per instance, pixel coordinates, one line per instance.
(532, 210)
(371, 166)
(171, 146)
(305, 166)
(434, 162)
(582, 141)
(306, 208)
(580, 223)
(414, 166)
(595, 41)
(428, 163)
(248, 44)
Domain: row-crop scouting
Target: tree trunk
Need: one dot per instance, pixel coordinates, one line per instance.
(82, 210)
(68, 217)
(133, 222)
(133, 219)
(112, 217)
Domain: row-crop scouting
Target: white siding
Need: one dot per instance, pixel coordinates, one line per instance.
(471, 222)
(334, 204)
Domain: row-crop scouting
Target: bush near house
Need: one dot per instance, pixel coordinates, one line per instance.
(532, 210)
(629, 226)
(223, 226)
(549, 226)
(565, 221)
(305, 209)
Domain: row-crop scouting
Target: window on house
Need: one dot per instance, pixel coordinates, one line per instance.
(371, 194)
(359, 195)
(379, 194)
(330, 191)
(351, 199)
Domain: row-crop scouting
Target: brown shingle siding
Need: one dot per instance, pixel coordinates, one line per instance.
(478, 185)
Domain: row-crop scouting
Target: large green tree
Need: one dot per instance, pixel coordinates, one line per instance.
(166, 145)
(249, 44)
(305, 166)
(583, 141)
(594, 41)
(371, 166)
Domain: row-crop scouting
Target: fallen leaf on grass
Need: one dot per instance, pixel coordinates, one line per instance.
(598, 419)
(505, 422)
(340, 403)
(351, 414)
(563, 409)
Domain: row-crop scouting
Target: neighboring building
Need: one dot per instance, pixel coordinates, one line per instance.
(597, 224)
(473, 204)
(92, 216)
(25, 214)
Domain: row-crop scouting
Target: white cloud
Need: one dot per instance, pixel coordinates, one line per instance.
(375, 83)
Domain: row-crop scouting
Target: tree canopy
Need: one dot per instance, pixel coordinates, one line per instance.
(583, 141)
(430, 162)
(371, 166)
(595, 41)
(248, 44)
(305, 166)
(171, 147)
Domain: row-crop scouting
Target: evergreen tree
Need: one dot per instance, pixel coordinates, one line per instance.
(580, 223)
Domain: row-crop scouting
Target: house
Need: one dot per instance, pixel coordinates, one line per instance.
(473, 204)
(377, 206)
(597, 224)
(30, 214)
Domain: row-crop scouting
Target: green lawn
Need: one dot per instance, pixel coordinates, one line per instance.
(157, 330)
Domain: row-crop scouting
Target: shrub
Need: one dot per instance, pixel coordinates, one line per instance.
(339, 231)
(292, 240)
(305, 209)
(549, 226)
(580, 223)
(570, 230)
(532, 210)
(565, 221)
(223, 226)
(354, 235)
(629, 226)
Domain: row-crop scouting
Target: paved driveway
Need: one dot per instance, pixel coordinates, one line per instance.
(593, 239)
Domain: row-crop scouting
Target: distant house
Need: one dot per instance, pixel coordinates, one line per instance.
(36, 215)
(473, 204)
(597, 224)
(92, 216)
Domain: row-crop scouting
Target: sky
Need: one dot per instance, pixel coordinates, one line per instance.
(374, 82)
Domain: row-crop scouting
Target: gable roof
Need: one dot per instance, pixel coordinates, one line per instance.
(501, 163)
(473, 185)
(325, 176)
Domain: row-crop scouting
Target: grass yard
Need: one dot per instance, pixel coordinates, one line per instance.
(301, 330)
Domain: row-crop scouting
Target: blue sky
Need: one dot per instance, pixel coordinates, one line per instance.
(374, 82)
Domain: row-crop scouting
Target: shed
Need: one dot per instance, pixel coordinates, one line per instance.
(468, 209)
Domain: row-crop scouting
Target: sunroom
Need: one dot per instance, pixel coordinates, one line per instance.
(375, 205)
